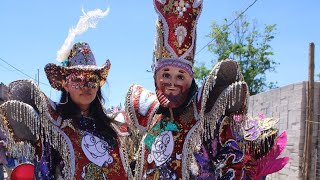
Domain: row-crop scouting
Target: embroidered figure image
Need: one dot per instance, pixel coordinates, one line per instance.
(160, 143)
(162, 148)
(96, 150)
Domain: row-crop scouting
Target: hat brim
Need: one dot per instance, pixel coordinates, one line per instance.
(224, 73)
(57, 74)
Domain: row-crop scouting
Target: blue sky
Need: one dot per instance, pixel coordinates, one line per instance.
(31, 33)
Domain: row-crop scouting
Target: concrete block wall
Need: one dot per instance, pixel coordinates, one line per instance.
(316, 134)
(289, 105)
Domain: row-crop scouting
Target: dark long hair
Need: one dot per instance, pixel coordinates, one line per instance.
(71, 111)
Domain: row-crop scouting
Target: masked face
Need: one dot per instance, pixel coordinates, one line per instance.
(89, 80)
(172, 86)
(82, 88)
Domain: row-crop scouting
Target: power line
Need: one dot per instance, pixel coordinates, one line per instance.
(5, 68)
(228, 25)
(22, 72)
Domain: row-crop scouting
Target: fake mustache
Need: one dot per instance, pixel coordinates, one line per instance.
(165, 85)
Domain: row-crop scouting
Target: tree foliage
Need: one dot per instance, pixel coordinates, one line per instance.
(200, 73)
(243, 42)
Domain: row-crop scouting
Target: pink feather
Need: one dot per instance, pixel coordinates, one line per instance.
(269, 163)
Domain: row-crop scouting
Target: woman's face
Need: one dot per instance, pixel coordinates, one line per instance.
(82, 88)
(172, 86)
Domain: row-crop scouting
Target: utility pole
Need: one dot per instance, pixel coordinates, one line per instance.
(310, 114)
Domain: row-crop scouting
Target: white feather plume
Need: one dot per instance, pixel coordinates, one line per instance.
(87, 20)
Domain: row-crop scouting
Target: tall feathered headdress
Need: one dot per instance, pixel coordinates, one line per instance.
(80, 56)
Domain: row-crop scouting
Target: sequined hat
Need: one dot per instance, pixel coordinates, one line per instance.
(80, 59)
(176, 33)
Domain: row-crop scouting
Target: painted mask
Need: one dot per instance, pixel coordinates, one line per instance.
(172, 86)
(85, 79)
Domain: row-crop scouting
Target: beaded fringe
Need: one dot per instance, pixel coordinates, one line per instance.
(40, 124)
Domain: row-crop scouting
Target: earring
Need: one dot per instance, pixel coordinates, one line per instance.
(67, 99)
(100, 100)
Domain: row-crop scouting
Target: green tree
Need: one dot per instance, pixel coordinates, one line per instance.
(200, 73)
(243, 42)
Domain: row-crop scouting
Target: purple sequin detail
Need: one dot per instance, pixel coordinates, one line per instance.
(81, 54)
(175, 63)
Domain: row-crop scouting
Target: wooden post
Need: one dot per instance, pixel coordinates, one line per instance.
(310, 114)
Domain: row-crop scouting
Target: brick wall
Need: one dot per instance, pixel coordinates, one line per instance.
(289, 104)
